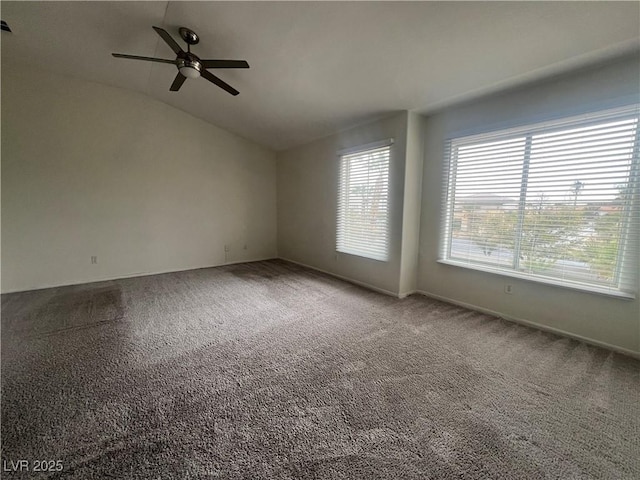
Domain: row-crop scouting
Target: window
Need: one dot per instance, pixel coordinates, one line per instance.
(554, 202)
(363, 202)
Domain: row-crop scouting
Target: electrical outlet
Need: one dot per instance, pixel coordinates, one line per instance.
(94, 259)
(245, 247)
(226, 248)
(508, 288)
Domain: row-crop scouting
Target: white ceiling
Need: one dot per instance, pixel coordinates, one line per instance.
(319, 67)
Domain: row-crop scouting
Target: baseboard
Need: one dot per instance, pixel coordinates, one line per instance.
(521, 321)
(407, 294)
(529, 323)
(133, 275)
(442, 298)
(346, 279)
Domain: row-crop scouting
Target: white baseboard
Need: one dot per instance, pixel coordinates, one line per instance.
(521, 321)
(346, 279)
(529, 323)
(407, 294)
(131, 275)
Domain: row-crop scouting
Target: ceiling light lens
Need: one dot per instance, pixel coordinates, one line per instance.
(189, 72)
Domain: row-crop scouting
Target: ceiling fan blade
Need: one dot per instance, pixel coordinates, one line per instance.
(177, 82)
(168, 40)
(224, 63)
(213, 79)
(148, 59)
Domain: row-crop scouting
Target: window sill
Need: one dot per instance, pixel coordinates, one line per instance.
(368, 256)
(543, 280)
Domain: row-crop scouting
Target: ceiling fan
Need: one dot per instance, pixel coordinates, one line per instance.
(189, 64)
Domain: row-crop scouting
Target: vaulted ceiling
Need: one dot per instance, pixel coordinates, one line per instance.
(318, 67)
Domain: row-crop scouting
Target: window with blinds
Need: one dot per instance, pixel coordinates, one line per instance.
(363, 202)
(554, 202)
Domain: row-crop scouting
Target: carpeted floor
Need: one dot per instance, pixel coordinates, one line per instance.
(271, 371)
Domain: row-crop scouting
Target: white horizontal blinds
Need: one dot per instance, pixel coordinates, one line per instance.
(557, 200)
(485, 196)
(363, 203)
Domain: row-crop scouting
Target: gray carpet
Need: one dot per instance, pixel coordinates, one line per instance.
(271, 371)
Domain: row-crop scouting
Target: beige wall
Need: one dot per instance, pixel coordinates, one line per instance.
(307, 204)
(93, 170)
(612, 321)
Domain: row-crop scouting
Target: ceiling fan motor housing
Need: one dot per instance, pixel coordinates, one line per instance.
(189, 65)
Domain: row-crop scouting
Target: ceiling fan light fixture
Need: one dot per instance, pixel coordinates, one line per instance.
(189, 71)
(189, 67)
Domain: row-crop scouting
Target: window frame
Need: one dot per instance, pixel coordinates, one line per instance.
(630, 226)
